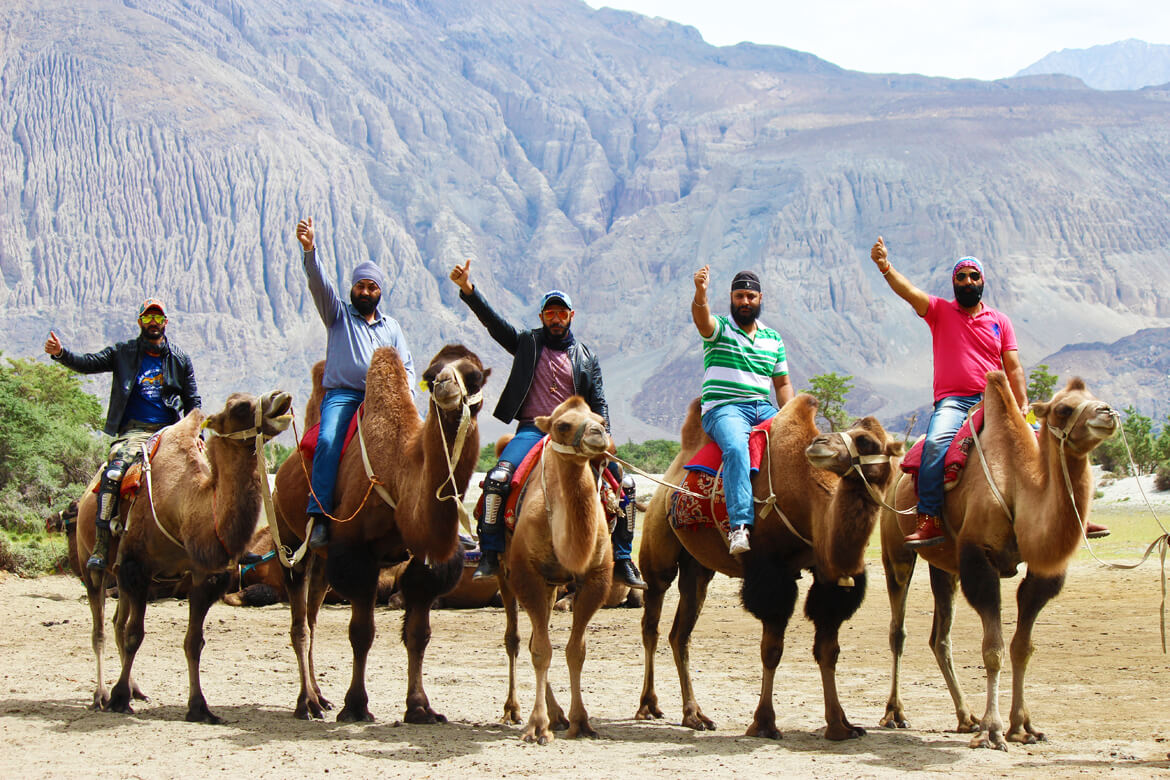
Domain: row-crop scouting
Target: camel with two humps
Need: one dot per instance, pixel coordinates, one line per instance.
(1046, 485)
(830, 510)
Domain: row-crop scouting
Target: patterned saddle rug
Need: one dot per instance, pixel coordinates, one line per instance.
(132, 479)
(704, 476)
(956, 457)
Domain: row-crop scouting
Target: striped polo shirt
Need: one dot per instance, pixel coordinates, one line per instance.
(738, 367)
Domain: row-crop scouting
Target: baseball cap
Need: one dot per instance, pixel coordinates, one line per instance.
(152, 303)
(553, 297)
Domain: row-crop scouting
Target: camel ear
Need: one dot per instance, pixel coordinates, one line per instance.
(896, 448)
(486, 373)
(544, 423)
(1041, 408)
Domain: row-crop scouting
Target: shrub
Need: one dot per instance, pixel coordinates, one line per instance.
(1162, 477)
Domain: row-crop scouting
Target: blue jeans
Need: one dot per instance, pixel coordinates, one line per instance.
(948, 416)
(729, 426)
(337, 409)
(491, 536)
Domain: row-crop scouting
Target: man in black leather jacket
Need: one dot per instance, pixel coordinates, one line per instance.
(153, 386)
(549, 366)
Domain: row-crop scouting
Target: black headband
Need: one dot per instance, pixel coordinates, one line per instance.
(745, 280)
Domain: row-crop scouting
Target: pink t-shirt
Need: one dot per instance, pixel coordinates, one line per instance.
(966, 347)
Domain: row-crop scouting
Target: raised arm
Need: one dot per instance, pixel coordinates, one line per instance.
(898, 283)
(329, 306)
(505, 333)
(700, 309)
(86, 363)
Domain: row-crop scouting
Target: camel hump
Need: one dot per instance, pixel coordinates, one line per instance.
(313, 405)
(692, 436)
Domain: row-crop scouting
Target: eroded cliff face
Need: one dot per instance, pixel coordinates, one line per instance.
(168, 149)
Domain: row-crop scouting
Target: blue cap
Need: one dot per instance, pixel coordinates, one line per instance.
(553, 297)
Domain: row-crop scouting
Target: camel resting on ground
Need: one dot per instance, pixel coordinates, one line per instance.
(830, 515)
(1040, 524)
(195, 514)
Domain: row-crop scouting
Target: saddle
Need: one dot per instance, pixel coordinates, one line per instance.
(308, 444)
(704, 476)
(608, 487)
(132, 479)
(957, 453)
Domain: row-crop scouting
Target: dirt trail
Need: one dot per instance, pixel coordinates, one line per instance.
(1099, 687)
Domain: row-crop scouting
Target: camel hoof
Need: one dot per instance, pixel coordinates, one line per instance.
(309, 710)
(139, 695)
(648, 711)
(558, 722)
(511, 717)
(582, 729)
(968, 725)
(423, 715)
(1026, 736)
(544, 738)
(698, 721)
(203, 715)
(355, 715)
(894, 720)
(764, 731)
(118, 704)
(843, 731)
(100, 703)
(984, 740)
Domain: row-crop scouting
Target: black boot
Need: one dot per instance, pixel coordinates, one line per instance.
(489, 565)
(625, 571)
(319, 537)
(101, 550)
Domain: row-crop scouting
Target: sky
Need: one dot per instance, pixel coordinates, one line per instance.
(988, 39)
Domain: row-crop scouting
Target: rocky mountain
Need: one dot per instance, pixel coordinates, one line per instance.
(168, 147)
(1129, 64)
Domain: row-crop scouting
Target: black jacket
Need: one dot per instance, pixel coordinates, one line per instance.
(526, 346)
(179, 393)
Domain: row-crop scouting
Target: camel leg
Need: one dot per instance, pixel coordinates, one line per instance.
(353, 572)
(119, 623)
(1034, 593)
(769, 593)
(899, 569)
(980, 583)
(203, 595)
(299, 584)
(318, 587)
(512, 648)
(943, 586)
(658, 557)
(537, 600)
(828, 606)
(421, 585)
(591, 594)
(133, 584)
(557, 720)
(95, 589)
(692, 594)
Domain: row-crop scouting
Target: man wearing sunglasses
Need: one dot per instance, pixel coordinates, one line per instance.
(153, 386)
(550, 366)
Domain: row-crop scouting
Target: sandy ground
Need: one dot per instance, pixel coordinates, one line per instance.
(1099, 686)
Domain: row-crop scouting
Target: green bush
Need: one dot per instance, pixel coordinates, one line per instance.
(31, 555)
(653, 456)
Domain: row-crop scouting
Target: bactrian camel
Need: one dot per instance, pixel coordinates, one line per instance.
(560, 537)
(1040, 525)
(830, 515)
(424, 468)
(195, 515)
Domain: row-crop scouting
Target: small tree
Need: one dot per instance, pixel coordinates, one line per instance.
(653, 456)
(1041, 383)
(487, 457)
(831, 390)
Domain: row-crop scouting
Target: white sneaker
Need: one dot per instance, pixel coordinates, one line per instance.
(738, 541)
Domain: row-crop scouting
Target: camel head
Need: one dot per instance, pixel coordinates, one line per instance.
(455, 377)
(244, 415)
(575, 430)
(1078, 417)
(865, 446)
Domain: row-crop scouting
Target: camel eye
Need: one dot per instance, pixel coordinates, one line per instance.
(1063, 411)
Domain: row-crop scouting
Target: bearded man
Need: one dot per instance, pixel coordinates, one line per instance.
(742, 361)
(550, 365)
(153, 386)
(355, 329)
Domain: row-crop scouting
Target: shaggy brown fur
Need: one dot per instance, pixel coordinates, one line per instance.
(986, 545)
(409, 456)
(560, 536)
(836, 513)
(208, 501)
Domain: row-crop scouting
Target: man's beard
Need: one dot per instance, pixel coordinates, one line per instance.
(744, 318)
(558, 341)
(153, 332)
(365, 304)
(968, 296)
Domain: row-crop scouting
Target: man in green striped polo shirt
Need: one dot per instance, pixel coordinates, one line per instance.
(742, 361)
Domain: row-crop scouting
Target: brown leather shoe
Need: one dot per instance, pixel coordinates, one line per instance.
(1094, 531)
(928, 533)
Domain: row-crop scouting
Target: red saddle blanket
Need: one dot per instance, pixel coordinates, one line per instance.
(703, 477)
(308, 442)
(520, 479)
(957, 453)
